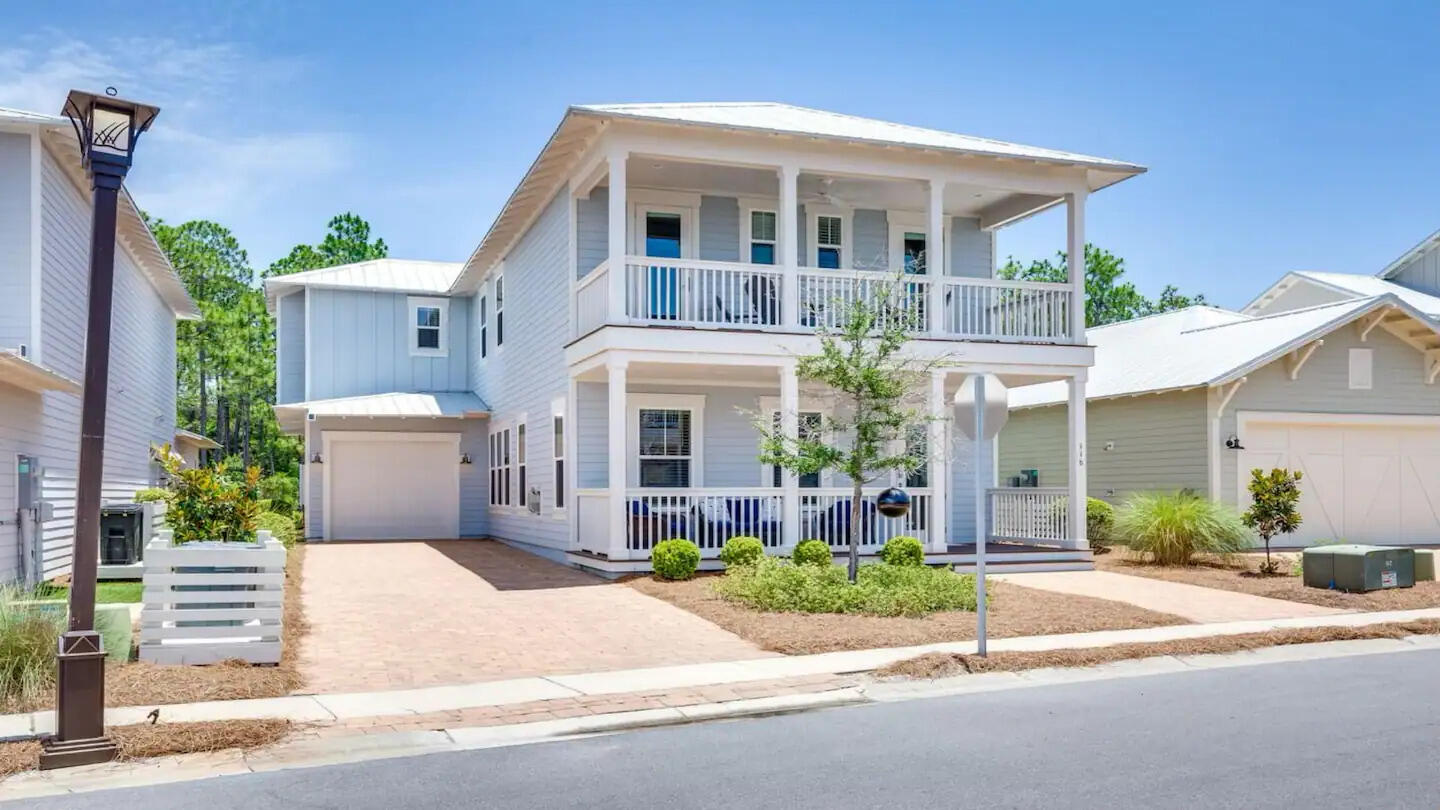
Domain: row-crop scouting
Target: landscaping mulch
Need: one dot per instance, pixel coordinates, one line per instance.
(162, 739)
(1014, 611)
(1240, 574)
(943, 665)
(140, 683)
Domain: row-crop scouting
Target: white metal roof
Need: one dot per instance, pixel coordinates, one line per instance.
(195, 439)
(11, 115)
(1348, 284)
(770, 116)
(436, 405)
(1200, 346)
(393, 275)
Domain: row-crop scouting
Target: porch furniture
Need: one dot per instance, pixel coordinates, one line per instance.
(833, 525)
(647, 527)
(717, 522)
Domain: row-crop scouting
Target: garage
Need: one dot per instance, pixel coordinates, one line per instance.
(1368, 478)
(391, 486)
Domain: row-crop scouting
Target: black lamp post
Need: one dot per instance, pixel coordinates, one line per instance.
(108, 128)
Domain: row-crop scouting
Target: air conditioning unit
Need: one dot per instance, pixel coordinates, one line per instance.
(1359, 568)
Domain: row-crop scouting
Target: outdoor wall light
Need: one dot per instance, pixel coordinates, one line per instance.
(1233, 442)
(465, 458)
(316, 459)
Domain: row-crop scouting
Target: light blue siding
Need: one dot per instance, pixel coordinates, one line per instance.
(870, 249)
(720, 229)
(592, 237)
(361, 345)
(1421, 272)
(15, 183)
(290, 348)
(592, 416)
(972, 251)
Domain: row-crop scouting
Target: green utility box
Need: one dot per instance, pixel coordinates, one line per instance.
(1424, 565)
(1359, 568)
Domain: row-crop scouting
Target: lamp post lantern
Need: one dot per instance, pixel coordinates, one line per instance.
(107, 128)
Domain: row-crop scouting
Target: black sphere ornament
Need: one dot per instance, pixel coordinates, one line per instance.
(893, 502)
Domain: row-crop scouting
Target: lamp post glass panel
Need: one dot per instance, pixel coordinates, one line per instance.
(107, 129)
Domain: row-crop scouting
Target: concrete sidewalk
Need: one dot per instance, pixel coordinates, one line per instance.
(594, 688)
(1193, 602)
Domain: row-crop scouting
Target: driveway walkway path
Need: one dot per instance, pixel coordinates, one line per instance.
(1176, 598)
(394, 615)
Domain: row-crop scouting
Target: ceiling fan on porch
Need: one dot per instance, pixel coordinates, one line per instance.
(820, 190)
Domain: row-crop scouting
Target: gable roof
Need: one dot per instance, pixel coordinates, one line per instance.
(1392, 268)
(1189, 349)
(582, 123)
(1351, 285)
(390, 275)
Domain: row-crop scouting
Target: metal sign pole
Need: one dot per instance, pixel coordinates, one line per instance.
(980, 533)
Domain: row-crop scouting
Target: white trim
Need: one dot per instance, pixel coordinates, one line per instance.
(695, 403)
(813, 212)
(561, 453)
(1244, 419)
(688, 219)
(1360, 369)
(309, 346)
(37, 256)
(512, 448)
(656, 196)
(442, 305)
(329, 437)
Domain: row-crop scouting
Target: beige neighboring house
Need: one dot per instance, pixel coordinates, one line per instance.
(1331, 374)
(190, 446)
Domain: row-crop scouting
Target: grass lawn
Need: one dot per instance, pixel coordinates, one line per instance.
(1240, 575)
(106, 591)
(1014, 611)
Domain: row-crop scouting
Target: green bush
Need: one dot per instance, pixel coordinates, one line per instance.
(1173, 527)
(813, 552)
(742, 551)
(281, 526)
(27, 648)
(1099, 523)
(880, 590)
(211, 503)
(282, 491)
(675, 559)
(150, 495)
(903, 551)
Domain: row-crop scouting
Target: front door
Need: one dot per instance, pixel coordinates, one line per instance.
(912, 248)
(664, 238)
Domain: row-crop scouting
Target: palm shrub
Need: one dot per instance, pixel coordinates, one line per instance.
(742, 550)
(27, 647)
(675, 559)
(1172, 527)
(813, 552)
(903, 550)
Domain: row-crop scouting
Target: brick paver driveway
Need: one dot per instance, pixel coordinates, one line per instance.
(397, 615)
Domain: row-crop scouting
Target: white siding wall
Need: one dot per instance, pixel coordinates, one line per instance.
(142, 364)
(14, 239)
(1301, 295)
(19, 434)
(1421, 273)
(290, 345)
(360, 344)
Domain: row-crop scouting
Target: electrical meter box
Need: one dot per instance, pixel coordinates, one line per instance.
(1359, 568)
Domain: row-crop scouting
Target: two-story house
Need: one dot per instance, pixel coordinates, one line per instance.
(585, 384)
(44, 277)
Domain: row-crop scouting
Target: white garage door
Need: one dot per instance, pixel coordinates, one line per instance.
(1366, 479)
(392, 486)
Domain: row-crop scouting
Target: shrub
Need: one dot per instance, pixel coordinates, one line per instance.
(742, 551)
(281, 526)
(1274, 508)
(675, 559)
(813, 552)
(27, 647)
(282, 491)
(150, 495)
(903, 551)
(1099, 523)
(879, 590)
(211, 503)
(1173, 527)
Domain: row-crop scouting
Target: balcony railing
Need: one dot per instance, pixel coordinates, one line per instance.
(721, 295)
(1028, 514)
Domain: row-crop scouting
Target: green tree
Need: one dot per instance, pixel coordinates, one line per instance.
(346, 241)
(1274, 507)
(1108, 298)
(879, 401)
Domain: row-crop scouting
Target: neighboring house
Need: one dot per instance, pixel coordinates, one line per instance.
(44, 278)
(583, 385)
(191, 447)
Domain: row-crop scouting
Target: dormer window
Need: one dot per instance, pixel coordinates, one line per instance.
(429, 318)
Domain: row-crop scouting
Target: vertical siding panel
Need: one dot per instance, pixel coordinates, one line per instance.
(720, 229)
(871, 239)
(14, 240)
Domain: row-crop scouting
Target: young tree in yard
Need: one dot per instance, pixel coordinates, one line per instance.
(1107, 298)
(878, 393)
(1275, 498)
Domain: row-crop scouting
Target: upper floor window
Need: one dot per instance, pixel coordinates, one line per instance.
(762, 237)
(829, 242)
(499, 311)
(429, 320)
(484, 326)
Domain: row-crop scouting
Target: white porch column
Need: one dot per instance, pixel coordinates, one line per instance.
(616, 244)
(790, 425)
(935, 258)
(939, 451)
(1075, 259)
(789, 246)
(616, 459)
(1075, 537)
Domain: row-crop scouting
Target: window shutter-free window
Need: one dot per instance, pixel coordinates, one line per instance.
(665, 447)
(829, 241)
(1362, 369)
(500, 311)
(484, 325)
(559, 454)
(762, 237)
(520, 465)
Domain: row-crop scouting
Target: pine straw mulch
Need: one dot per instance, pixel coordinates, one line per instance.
(1014, 611)
(942, 665)
(1239, 573)
(163, 739)
(140, 683)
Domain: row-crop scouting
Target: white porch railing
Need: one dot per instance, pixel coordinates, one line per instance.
(1004, 309)
(1031, 514)
(707, 517)
(592, 300)
(826, 295)
(690, 292)
(826, 514)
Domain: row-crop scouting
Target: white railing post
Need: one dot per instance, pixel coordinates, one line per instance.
(1076, 537)
(1075, 260)
(789, 246)
(935, 259)
(790, 424)
(616, 311)
(616, 460)
(939, 453)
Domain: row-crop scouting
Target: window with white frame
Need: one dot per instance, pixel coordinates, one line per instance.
(1362, 369)
(829, 242)
(666, 447)
(499, 311)
(520, 484)
(484, 325)
(558, 418)
(499, 463)
(809, 424)
(762, 236)
(429, 320)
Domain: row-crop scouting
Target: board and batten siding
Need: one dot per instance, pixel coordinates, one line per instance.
(1323, 386)
(141, 410)
(1159, 443)
(1421, 272)
(360, 344)
(528, 372)
(290, 348)
(15, 254)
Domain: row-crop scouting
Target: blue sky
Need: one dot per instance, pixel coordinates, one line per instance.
(1278, 136)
